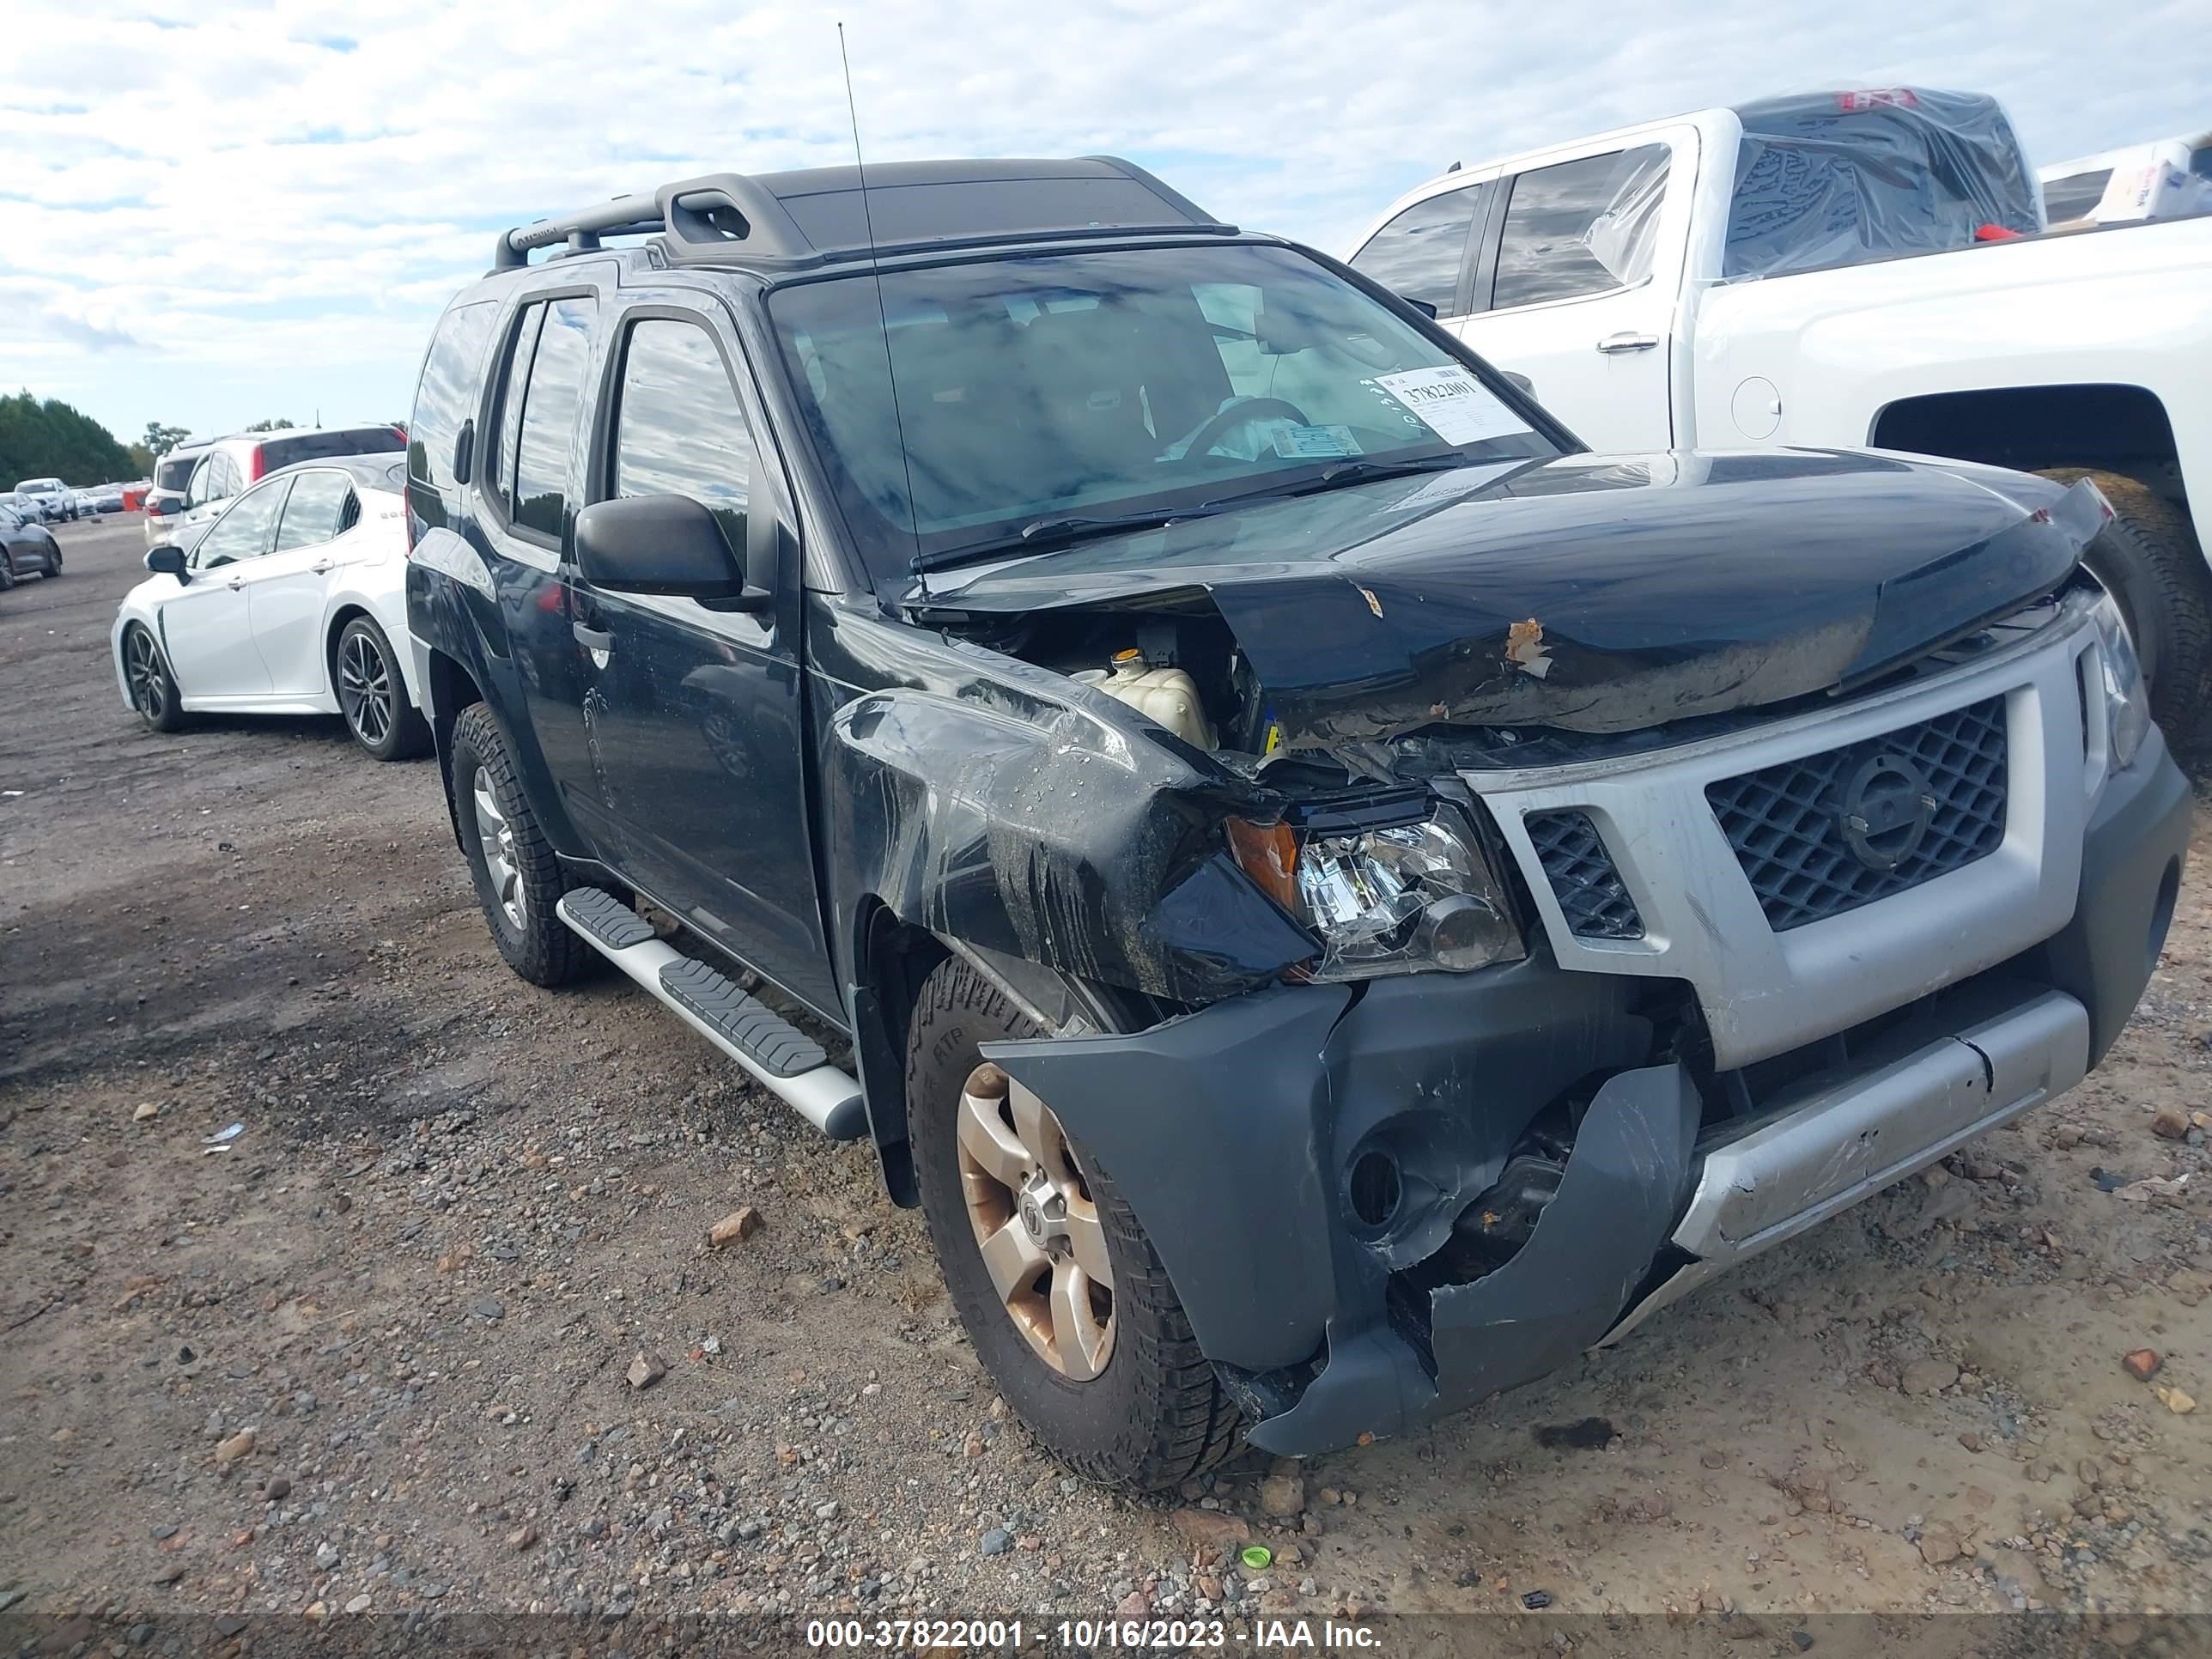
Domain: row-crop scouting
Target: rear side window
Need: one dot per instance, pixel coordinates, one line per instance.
(446, 395)
(498, 465)
(173, 473)
(1418, 253)
(544, 443)
(280, 452)
(316, 511)
(679, 429)
(1581, 227)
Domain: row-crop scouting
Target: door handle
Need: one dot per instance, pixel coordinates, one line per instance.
(235, 583)
(592, 639)
(322, 567)
(1613, 344)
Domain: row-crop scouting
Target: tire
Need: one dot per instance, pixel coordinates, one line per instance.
(1153, 1414)
(536, 943)
(153, 687)
(2149, 562)
(53, 561)
(372, 695)
(7, 572)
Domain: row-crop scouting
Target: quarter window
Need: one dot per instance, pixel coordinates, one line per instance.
(1581, 227)
(500, 462)
(679, 429)
(543, 447)
(245, 530)
(316, 511)
(1418, 253)
(447, 393)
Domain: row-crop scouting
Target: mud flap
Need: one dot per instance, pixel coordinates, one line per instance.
(1625, 1184)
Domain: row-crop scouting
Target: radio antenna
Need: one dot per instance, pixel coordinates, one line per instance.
(882, 315)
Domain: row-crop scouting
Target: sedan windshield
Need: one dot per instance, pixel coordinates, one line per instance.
(1061, 394)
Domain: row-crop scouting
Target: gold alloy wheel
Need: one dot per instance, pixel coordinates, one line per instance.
(1035, 1224)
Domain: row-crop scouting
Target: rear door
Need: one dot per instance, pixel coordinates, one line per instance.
(204, 627)
(529, 476)
(694, 713)
(1570, 285)
(288, 588)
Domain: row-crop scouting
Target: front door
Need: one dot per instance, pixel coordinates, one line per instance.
(695, 712)
(1574, 290)
(286, 588)
(206, 627)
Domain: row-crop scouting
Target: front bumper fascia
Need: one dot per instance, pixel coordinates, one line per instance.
(1230, 1131)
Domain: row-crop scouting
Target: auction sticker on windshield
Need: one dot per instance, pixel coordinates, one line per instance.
(1452, 403)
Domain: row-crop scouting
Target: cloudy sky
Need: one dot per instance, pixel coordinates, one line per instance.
(212, 213)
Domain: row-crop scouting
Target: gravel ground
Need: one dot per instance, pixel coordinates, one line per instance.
(379, 1353)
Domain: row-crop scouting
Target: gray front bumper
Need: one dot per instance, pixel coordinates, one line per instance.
(1843, 1139)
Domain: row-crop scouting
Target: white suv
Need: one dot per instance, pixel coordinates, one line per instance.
(228, 466)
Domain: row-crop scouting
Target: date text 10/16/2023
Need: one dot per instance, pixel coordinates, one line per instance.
(1087, 1634)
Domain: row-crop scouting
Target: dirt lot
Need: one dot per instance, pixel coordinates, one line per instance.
(375, 1355)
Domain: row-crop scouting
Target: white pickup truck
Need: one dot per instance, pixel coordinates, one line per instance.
(1848, 270)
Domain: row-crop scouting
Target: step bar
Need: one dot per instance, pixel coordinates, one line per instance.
(775, 1053)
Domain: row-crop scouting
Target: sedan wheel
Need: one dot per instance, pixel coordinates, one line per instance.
(153, 693)
(365, 688)
(1037, 1224)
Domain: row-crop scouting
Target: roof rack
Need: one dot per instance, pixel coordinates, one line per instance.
(720, 208)
(721, 216)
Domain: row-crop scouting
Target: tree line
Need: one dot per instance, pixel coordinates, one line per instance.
(42, 438)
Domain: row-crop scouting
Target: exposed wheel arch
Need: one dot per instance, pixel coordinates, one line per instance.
(2108, 427)
(333, 631)
(452, 688)
(891, 960)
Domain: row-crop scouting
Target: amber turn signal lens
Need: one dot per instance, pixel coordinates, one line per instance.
(1269, 854)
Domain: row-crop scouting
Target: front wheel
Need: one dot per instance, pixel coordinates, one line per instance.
(2149, 563)
(517, 876)
(1069, 1309)
(373, 695)
(53, 561)
(153, 690)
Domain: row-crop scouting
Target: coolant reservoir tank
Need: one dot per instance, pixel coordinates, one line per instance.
(1167, 696)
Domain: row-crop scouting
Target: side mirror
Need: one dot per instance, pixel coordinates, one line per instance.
(167, 560)
(1423, 307)
(668, 544)
(464, 444)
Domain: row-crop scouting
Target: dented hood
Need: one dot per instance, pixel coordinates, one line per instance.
(1593, 594)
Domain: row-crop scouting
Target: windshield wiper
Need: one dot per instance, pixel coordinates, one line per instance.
(1040, 534)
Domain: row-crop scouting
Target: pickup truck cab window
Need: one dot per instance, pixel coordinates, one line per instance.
(1422, 252)
(1087, 386)
(1582, 227)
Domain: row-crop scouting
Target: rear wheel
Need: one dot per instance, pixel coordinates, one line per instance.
(2149, 562)
(1068, 1307)
(153, 691)
(518, 876)
(373, 695)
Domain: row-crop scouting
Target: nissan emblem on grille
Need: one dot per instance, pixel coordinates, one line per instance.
(1888, 807)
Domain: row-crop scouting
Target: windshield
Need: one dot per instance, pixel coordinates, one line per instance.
(1037, 392)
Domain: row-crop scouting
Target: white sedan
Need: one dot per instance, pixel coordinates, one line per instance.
(287, 606)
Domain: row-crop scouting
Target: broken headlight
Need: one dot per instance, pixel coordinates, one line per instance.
(2127, 699)
(1404, 898)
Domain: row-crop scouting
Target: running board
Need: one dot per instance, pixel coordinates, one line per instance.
(779, 1056)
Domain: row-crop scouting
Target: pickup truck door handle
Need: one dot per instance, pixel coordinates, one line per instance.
(592, 639)
(1613, 344)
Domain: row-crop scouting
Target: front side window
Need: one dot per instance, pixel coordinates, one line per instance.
(316, 511)
(246, 529)
(1418, 253)
(555, 391)
(1581, 227)
(679, 429)
(1113, 383)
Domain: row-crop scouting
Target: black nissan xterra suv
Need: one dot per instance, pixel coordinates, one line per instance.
(1338, 899)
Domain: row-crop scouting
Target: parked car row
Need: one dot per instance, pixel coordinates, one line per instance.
(1338, 896)
(27, 548)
